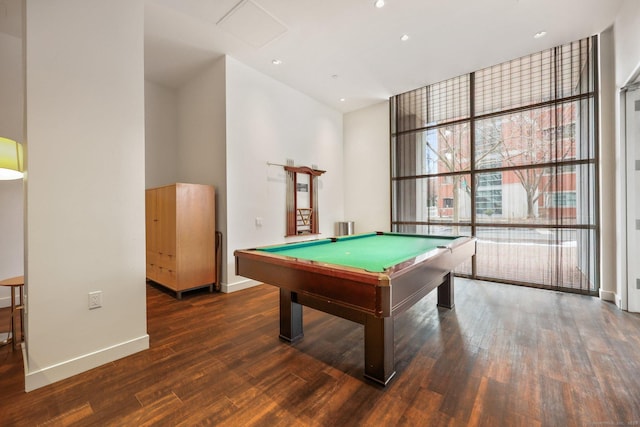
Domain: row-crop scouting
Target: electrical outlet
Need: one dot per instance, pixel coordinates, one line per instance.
(95, 299)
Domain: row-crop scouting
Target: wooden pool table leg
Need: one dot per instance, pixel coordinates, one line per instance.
(379, 364)
(445, 292)
(290, 317)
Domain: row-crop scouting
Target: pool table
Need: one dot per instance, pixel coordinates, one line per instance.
(365, 278)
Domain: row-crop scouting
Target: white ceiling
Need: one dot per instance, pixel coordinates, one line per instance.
(332, 49)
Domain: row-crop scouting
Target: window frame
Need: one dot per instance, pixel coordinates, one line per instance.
(552, 167)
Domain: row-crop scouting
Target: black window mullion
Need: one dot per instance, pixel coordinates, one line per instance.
(472, 162)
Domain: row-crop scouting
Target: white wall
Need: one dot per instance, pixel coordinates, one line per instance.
(11, 87)
(11, 192)
(627, 47)
(84, 185)
(367, 197)
(201, 145)
(202, 137)
(231, 121)
(270, 122)
(161, 135)
(607, 207)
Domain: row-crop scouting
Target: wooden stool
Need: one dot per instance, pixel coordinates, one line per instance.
(15, 282)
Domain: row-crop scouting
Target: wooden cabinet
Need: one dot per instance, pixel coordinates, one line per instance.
(180, 233)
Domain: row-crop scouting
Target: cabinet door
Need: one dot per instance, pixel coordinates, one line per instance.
(161, 235)
(166, 231)
(150, 218)
(196, 235)
(151, 231)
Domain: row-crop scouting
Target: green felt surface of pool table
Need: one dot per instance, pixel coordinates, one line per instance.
(371, 252)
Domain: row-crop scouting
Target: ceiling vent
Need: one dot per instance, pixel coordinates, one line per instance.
(249, 22)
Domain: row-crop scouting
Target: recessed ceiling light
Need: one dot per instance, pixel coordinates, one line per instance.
(539, 34)
(276, 62)
(342, 99)
(404, 37)
(378, 3)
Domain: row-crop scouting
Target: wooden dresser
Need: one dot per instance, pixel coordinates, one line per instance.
(180, 231)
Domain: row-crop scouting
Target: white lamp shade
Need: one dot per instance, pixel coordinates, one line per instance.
(11, 164)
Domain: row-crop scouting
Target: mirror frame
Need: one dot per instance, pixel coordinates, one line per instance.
(295, 214)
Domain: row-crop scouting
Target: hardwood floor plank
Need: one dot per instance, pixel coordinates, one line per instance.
(504, 355)
(618, 387)
(71, 417)
(423, 410)
(155, 412)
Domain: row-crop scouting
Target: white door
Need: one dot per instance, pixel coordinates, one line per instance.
(632, 137)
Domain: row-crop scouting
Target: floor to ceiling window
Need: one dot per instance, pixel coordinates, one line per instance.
(507, 154)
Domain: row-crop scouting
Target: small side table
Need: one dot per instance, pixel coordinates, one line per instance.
(15, 282)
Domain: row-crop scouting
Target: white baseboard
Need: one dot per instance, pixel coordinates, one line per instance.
(619, 302)
(45, 376)
(608, 295)
(238, 286)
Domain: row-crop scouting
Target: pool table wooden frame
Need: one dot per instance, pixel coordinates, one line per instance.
(371, 299)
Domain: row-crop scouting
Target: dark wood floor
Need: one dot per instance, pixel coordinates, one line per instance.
(505, 356)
